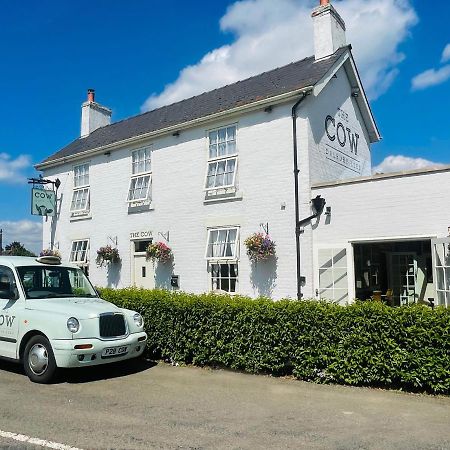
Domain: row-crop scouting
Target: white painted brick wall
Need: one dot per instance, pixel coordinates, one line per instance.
(265, 170)
(265, 179)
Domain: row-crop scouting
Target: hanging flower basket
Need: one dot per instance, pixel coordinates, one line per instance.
(107, 254)
(159, 252)
(50, 252)
(259, 247)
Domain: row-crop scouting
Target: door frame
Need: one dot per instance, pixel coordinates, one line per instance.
(434, 242)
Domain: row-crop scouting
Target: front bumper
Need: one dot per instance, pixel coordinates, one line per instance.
(68, 356)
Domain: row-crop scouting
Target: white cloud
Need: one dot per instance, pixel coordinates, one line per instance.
(430, 78)
(11, 170)
(446, 54)
(270, 34)
(27, 232)
(399, 163)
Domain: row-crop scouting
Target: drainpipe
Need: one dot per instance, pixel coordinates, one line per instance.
(297, 210)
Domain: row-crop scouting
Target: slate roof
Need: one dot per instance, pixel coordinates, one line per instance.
(291, 77)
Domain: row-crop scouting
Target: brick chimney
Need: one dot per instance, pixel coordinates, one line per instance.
(329, 30)
(93, 115)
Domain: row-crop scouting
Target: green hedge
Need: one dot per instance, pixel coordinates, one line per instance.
(363, 344)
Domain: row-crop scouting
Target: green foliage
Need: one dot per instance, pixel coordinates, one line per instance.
(364, 344)
(17, 249)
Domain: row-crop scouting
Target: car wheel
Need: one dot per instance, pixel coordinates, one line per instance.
(38, 360)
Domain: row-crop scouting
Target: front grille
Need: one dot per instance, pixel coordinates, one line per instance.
(112, 325)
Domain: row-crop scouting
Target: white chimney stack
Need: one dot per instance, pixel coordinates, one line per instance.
(329, 30)
(93, 115)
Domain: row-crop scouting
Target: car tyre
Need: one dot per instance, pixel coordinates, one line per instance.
(39, 361)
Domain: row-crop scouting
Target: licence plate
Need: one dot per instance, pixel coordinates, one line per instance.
(115, 351)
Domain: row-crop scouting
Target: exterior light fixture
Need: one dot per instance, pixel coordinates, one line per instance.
(268, 109)
(318, 203)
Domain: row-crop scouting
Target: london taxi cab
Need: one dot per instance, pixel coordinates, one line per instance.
(51, 317)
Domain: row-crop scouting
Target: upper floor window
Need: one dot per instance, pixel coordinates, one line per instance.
(141, 176)
(81, 190)
(222, 158)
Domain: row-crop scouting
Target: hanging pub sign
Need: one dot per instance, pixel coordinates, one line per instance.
(43, 202)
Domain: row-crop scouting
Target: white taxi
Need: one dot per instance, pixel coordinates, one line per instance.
(52, 317)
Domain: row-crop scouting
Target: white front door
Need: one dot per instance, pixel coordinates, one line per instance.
(403, 277)
(441, 269)
(144, 272)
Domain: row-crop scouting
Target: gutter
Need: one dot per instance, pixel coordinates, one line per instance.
(288, 96)
(296, 192)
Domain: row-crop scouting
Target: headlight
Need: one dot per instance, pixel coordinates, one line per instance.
(138, 320)
(73, 325)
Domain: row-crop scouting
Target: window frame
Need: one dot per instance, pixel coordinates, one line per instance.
(235, 257)
(219, 278)
(333, 266)
(78, 188)
(217, 159)
(135, 175)
(85, 261)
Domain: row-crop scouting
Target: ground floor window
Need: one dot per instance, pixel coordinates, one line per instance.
(79, 251)
(442, 266)
(333, 283)
(224, 277)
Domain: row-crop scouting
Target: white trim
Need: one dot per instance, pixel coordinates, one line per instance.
(393, 238)
(86, 259)
(87, 207)
(136, 177)
(381, 176)
(217, 161)
(286, 97)
(230, 259)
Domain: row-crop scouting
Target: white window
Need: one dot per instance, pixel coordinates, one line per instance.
(222, 244)
(333, 283)
(222, 158)
(141, 177)
(222, 255)
(79, 252)
(81, 190)
(141, 161)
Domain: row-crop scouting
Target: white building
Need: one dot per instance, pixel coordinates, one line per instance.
(204, 173)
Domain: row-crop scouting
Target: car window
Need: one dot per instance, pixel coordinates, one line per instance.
(55, 281)
(6, 281)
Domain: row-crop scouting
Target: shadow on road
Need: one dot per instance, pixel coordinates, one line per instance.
(104, 372)
(90, 374)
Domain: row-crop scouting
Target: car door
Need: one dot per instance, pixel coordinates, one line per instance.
(10, 305)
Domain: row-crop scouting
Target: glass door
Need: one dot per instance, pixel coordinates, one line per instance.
(403, 276)
(441, 267)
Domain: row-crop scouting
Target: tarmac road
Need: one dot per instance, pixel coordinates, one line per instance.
(147, 406)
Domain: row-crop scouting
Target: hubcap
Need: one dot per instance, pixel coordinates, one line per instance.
(38, 359)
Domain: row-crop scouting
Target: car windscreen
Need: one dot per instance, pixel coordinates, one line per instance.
(54, 281)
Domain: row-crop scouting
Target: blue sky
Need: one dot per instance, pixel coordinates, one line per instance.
(142, 54)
